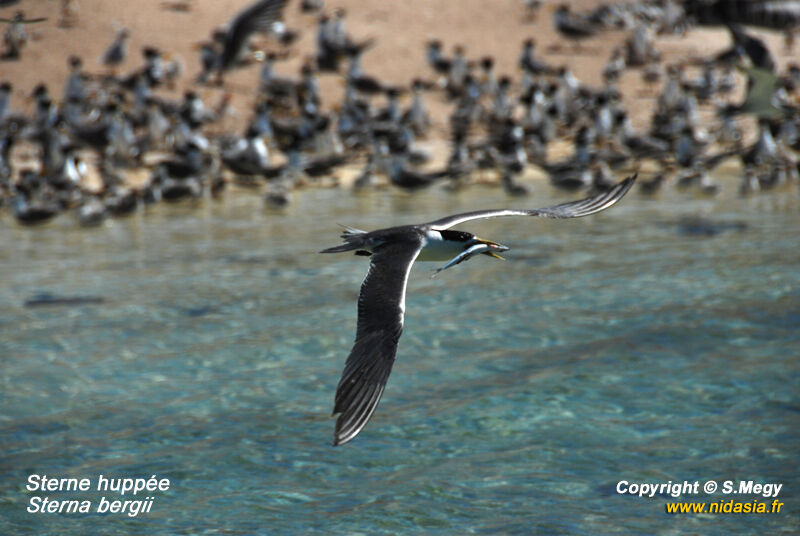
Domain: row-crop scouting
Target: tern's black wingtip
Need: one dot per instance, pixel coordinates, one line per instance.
(339, 441)
(341, 248)
(627, 183)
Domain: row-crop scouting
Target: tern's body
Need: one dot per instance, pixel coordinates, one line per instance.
(381, 303)
(434, 245)
(437, 248)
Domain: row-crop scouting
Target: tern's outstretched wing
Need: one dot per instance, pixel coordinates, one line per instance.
(572, 209)
(777, 14)
(761, 86)
(755, 48)
(381, 306)
(256, 18)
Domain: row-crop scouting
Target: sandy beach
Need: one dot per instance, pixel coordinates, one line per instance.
(400, 30)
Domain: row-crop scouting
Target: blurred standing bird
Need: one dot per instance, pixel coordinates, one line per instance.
(416, 116)
(210, 54)
(572, 26)
(435, 58)
(334, 43)
(531, 9)
(5, 102)
(115, 54)
(528, 61)
(182, 6)
(639, 49)
(312, 6)
(15, 36)
(69, 14)
(74, 87)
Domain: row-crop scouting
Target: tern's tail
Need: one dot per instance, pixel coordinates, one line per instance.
(353, 239)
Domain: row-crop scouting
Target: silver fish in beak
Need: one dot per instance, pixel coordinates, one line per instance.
(481, 246)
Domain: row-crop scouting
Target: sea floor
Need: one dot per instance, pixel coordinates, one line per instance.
(202, 343)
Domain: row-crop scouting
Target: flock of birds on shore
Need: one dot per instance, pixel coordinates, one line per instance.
(498, 127)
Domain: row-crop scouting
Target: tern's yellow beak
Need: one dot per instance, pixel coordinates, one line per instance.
(495, 247)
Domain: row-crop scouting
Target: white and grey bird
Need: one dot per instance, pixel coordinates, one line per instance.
(381, 303)
(116, 52)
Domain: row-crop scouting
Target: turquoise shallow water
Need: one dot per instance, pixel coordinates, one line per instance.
(656, 342)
